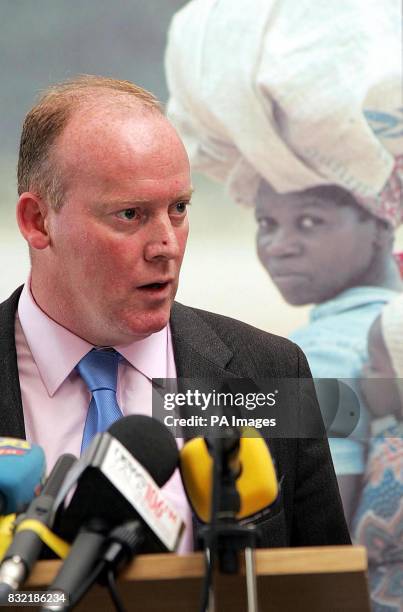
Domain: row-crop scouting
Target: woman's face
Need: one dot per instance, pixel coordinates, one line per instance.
(315, 243)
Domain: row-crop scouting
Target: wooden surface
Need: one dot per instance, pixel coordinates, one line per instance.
(323, 579)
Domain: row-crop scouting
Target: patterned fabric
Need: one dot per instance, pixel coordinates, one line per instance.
(388, 203)
(378, 523)
(99, 370)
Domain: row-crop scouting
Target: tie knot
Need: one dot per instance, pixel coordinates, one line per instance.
(99, 369)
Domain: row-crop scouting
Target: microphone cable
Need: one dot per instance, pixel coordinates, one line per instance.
(121, 545)
(113, 591)
(110, 583)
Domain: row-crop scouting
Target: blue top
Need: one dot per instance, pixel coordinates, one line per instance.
(335, 344)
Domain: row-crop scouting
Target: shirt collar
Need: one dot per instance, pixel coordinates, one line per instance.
(356, 297)
(149, 355)
(56, 350)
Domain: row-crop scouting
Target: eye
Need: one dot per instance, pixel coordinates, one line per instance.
(309, 222)
(266, 224)
(179, 208)
(128, 214)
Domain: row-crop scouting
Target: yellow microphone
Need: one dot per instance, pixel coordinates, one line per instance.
(257, 483)
(6, 532)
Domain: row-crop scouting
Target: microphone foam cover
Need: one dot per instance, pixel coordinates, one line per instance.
(257, 483)
(150, 442)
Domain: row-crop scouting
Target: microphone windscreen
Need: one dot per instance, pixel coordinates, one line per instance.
(6, 532)
(150, 442)
(257, 483)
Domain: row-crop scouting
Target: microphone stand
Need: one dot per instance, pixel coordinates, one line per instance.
(225, 535)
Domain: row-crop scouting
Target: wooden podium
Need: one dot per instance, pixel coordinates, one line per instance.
(323, 579)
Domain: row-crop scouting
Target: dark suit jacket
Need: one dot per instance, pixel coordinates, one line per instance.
(308, 511)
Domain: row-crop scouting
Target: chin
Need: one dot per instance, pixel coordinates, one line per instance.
(297, 298)
(303, 295)
(146, 324)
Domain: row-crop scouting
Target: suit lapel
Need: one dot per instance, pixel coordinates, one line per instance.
(199, 352)
(202, 359)
(11, 413)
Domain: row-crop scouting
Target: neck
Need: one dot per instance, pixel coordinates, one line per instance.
(384, 273)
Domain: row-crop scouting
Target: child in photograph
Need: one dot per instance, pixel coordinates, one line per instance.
(378, 521)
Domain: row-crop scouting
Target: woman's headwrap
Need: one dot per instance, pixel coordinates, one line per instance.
(298, 93)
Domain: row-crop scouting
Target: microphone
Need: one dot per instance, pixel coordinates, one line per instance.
(253, 467)
(120, 546)
(228, 479)
(120, 473)
(26, 544)
(6, 532)
(118, 480)
(22, 469)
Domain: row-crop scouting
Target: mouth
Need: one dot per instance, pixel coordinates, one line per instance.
(278, 272)
(288, 276)
(159, 288)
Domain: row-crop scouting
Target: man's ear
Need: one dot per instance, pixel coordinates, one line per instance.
(384, 235)
(32, 220)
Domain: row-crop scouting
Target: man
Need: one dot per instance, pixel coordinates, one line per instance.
(104, 186)
(321, 247)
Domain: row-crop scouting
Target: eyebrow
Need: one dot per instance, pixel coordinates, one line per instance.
(315, 202)
(131, 203)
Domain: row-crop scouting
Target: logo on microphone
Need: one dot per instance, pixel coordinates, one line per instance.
(12, 446)
(143, 493)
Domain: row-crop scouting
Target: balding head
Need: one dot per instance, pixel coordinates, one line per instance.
(38, 170)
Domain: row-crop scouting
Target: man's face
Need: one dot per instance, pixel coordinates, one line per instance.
(118, 241)
(312, 247)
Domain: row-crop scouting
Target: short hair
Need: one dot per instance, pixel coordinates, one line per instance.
(37, 170)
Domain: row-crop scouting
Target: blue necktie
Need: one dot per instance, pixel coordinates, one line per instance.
(99, 370)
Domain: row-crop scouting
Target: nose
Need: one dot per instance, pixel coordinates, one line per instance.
(282, 243)
(162, 243)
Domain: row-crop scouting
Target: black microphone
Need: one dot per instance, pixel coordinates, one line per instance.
(122, 543)
(26, 544)
(118, 480)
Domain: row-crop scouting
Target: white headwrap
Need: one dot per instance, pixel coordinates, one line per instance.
(302, 93)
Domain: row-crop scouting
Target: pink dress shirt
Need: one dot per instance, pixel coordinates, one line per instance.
(55, 399)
